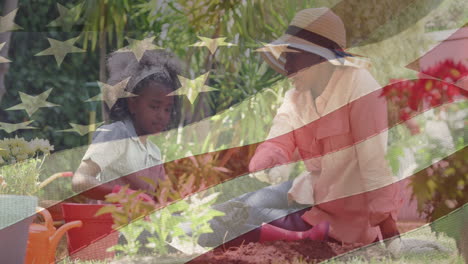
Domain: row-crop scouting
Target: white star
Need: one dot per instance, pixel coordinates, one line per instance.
(82, 129)
(7, 22)
(191, 88)
(138, 47)
(32, 103)
(67, 18)
(60, 49)
(3, 59)
(111, 93)
(275, 49)
(212, 44)
(9, 127)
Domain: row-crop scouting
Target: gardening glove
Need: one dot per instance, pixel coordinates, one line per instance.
(394, 246)
(267, 157)
(262, 162)
(279, 174)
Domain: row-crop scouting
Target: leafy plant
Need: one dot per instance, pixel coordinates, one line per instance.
(127, 211)
(131, 233)
(164, 225)
(198, 213)
(440, 176)
(133, 216)
(21, 177)
(439, 182)
(125, 207)
(440, 185)
(22, 165)
(195, 173)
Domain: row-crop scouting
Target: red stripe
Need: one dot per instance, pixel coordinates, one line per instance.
(331, 120)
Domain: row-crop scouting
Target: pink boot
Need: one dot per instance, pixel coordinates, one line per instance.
(273, 233)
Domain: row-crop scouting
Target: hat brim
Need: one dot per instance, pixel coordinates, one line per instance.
(271, 52)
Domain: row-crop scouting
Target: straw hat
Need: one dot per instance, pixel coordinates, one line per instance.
(315, 30)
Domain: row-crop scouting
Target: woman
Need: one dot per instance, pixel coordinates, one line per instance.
(336, 120)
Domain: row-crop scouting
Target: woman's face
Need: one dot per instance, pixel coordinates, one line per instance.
(303, 68)
(151, 109)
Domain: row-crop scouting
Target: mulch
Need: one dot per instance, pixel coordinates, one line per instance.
(302, 251)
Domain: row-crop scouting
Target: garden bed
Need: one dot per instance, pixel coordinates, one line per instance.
(303, 251)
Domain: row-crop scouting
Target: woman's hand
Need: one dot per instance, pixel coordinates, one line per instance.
(267, 158)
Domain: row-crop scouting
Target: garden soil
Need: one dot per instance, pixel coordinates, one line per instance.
(303, 251)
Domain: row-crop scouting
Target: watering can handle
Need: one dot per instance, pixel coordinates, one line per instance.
(49, 223)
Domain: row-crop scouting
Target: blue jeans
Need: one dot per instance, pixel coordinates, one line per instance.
(246, 213)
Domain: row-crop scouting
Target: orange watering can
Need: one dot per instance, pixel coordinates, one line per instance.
(44, 238)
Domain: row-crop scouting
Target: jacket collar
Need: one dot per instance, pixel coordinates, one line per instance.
(151, 148)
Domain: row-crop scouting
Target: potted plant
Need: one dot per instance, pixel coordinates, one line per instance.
(16, 216)
(21, 163)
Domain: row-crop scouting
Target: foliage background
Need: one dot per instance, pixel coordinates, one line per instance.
(238, 72)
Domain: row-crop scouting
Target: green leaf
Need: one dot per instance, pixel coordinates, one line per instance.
(148, 180)
(106, 210)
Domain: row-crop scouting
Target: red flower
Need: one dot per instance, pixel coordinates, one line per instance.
(452, 91)
(410, 94)
(447, 70)
(417, 94)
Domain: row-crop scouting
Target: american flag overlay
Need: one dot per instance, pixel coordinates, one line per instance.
(237, 131)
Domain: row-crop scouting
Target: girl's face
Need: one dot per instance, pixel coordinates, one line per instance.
(151, 109)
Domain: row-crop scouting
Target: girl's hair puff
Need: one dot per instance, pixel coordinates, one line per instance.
(155, 66)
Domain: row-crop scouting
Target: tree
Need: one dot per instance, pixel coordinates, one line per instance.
(104, 21)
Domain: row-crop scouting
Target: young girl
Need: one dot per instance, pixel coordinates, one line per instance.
(120, 153)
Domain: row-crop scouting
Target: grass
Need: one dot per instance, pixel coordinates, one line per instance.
(170, 259)
(419, 259)
(68, 261)
(423, 233)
